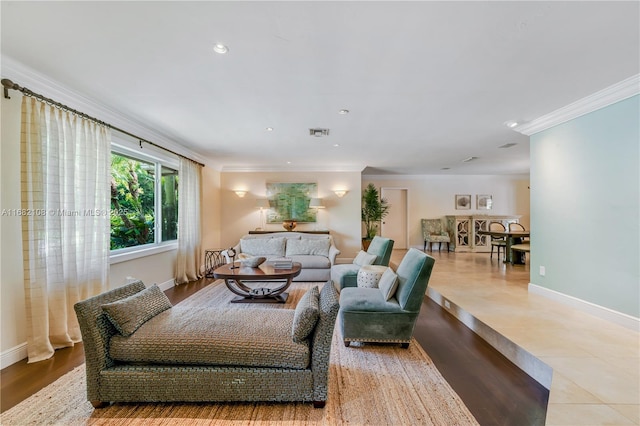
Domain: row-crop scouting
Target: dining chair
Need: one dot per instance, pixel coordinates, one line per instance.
(498, 241)
(520, 245)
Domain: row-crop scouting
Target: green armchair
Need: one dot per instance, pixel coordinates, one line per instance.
(433, 232)
(346, 274)
(367, 316)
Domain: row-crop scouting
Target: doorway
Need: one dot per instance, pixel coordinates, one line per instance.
(394, 226)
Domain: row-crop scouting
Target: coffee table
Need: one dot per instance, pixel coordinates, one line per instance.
(235, 277)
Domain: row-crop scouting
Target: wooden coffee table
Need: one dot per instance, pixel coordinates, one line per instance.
(235, 277)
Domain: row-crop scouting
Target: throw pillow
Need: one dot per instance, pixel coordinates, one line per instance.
(307, 246)
(306, 315)
(128, 314)
(369, 275)
(269, 247)
(388, 284)
(364, 258)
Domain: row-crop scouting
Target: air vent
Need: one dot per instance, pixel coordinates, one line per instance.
(319, 132)
(508, 145)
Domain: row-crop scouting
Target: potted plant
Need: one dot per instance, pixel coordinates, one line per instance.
(374, 209)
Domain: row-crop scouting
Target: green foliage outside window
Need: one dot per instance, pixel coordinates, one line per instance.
(133, 200)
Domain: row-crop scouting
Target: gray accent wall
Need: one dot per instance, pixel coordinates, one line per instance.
(585, 232)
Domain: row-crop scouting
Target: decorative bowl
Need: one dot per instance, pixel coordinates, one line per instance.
(289, 225)
(253, 262)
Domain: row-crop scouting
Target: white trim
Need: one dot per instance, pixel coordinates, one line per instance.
(13, 355)
(612, 94)
(142, 252)
(167, 284)
(601, 312)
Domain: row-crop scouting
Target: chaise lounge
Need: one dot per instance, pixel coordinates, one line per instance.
(138, 348)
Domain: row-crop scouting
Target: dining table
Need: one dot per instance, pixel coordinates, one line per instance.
(510, 237)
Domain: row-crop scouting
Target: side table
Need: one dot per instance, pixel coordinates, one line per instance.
(213, 259)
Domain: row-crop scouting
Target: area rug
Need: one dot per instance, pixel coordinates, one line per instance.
(368, 385)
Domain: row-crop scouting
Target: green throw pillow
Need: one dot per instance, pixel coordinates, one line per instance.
(128, 314)
(388, 284)
(306, 315)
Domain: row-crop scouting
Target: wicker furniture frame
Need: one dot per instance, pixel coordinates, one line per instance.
(108, 381)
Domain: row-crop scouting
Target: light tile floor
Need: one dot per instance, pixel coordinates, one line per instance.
(595, 363)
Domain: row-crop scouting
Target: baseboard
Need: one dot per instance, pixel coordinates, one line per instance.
(524, 360)
(167, 284)
(601, 312)
(13, 355)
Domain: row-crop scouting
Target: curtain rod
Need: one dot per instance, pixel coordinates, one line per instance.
(8, 84)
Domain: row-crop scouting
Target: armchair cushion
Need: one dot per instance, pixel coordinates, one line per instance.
(388, 284)
(364, 258)
(306, 315)
(128, 314)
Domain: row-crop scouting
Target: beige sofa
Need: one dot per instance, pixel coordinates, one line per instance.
(316, 253)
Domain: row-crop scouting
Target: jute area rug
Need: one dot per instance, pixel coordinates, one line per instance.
(369, 385)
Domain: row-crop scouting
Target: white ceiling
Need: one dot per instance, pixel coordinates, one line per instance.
(428, 84)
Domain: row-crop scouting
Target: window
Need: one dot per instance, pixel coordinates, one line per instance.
(144, 200)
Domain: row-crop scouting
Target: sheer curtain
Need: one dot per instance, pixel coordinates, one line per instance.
(65, 221)
(188, 261)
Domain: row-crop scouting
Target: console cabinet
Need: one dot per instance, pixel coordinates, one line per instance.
(463, 230)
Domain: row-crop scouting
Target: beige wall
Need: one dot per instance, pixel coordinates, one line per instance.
(433, 196)
(341, 215)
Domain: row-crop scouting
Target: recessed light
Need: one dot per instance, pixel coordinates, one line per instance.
(343, 112)
(466, 160)
(269, 129)
(508, 145)
(445, 168)
(335, 145)
(220, 48)
(511, 124)
(288, 162)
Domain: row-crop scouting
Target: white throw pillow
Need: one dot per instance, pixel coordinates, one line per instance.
(388, 284)
(369, 275)
(364, 258)
(308, 246)
(270, 247)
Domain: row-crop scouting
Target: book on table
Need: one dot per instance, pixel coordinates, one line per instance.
(281, 263)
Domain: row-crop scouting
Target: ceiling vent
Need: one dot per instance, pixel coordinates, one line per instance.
(319, 132)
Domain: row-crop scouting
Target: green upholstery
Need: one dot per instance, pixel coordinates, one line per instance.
(366, 317)
(346, 275)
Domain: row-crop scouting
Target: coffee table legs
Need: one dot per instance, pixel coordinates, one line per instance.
(257, 295)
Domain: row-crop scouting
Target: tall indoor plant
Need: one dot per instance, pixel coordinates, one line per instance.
(374, 209)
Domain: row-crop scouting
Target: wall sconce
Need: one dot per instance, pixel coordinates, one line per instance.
(340, 192)
(316, 203)
(240, 193)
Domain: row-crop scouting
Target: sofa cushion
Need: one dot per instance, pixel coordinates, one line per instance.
(306, 315)
(256, 337)
(312, 262)
(388, 284)
(269, 247)
(128, 314)
(308, 246)
(364, 258)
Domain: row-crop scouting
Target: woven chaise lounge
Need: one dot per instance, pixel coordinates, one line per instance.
(205, 354)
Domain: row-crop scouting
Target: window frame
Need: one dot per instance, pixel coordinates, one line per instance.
(159, 159)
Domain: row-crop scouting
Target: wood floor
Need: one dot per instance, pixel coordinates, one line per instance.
(495, 390)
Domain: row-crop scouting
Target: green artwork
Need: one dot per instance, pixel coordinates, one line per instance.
(290, 201)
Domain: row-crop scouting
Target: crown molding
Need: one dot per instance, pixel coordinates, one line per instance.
(610, 95)
(296, 169)
(39, 83)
